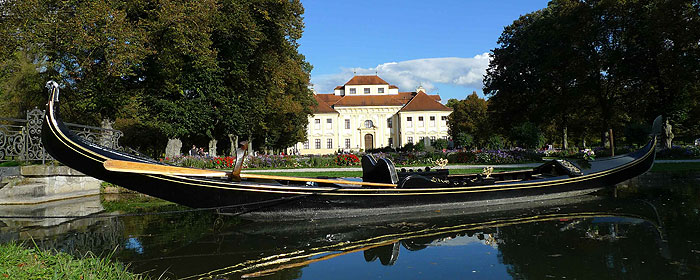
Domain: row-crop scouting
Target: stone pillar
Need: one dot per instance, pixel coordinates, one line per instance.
(174, 148)
(212, 147)
(106, 135)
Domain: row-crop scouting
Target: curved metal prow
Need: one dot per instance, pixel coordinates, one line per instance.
(241, 153)
(657, 127)
(53, 90)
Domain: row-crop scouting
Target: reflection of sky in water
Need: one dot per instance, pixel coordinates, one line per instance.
(134, 244)
(468, 257)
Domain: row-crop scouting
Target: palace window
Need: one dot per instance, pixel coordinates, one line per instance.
(422, 139)
(347, 143)
(389, 123)
(444, 118)
(409, 121)
(347, 123)
(409, 139)
(391, 142)
(380, 90)
(369, 124)
(329, 123)
(306, 145)
(432, 139)
(432, 121)
(366, 90)
(317, 143)
(329, 143)
(317, 124)
(420, 121)
(353, 91)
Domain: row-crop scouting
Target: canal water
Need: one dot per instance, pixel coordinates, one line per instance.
(648, 228)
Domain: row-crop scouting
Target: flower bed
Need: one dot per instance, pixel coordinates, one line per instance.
(680, 152)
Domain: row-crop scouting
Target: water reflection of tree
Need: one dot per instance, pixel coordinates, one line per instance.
(676, 196)
(587, 250)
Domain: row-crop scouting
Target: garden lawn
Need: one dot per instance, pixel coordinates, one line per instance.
(19, 262)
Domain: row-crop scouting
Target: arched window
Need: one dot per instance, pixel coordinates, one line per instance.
(368, 124)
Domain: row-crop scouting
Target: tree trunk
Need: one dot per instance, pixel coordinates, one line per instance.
(612, 143)
(233, 140)
(564, 140)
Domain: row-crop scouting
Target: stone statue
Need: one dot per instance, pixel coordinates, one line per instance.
(668, 134)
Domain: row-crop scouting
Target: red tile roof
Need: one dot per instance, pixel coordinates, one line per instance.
(423, 102)
(329, 98)
(366, 80)
(322, 106)
(376, 100)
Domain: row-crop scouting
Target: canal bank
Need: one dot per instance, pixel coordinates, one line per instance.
(33, 184)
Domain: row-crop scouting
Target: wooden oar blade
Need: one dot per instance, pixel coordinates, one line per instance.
(150, 168)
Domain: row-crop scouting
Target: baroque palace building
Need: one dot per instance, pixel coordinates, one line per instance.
(369, 113)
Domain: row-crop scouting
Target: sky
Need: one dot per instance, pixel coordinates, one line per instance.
(441, 45)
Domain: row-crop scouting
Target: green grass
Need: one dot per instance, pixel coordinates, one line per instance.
(676, 167)
(359, 173)
(20, 262)
(135, 203)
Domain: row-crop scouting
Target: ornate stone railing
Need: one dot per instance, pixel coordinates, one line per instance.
(21, 139)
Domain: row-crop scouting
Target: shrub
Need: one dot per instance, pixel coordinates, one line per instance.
(464, 140)
(527, 135)
(680, 152)
(495, 142)
(440, 144)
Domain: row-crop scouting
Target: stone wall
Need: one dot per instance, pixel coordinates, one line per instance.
(41, 183)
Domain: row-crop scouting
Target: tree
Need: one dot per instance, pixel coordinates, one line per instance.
(585, 64)
(527, 135)
(469, 116)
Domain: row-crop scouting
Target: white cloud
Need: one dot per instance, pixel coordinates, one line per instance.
(409, 74)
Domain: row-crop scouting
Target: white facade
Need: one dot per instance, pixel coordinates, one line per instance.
(379, 118)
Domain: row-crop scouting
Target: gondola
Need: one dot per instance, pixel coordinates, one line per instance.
(383, 189)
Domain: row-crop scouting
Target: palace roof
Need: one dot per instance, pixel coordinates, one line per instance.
(322, 106)
(425, 102)
(366, 80)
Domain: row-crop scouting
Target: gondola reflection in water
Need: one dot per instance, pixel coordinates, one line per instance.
(519, 233)
(382, 190)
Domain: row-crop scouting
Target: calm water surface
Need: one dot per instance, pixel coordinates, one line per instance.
(648, 229)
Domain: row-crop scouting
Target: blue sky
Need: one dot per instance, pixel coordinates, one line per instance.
(441, 45)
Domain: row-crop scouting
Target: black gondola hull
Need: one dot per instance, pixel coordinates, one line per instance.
(276, 199)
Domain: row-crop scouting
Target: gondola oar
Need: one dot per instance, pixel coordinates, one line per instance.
(150, 168)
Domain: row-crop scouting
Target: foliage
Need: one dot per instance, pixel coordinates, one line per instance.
(439, 144)
(419, 147)
(464, 140)
(495, 142)
(194, 70)
(680, 152)
(18, 262)
(527, 135)
(579, 66)
(346, 160)
(469, 116)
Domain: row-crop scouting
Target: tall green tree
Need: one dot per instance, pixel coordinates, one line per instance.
(597, 64)
(469, 116)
